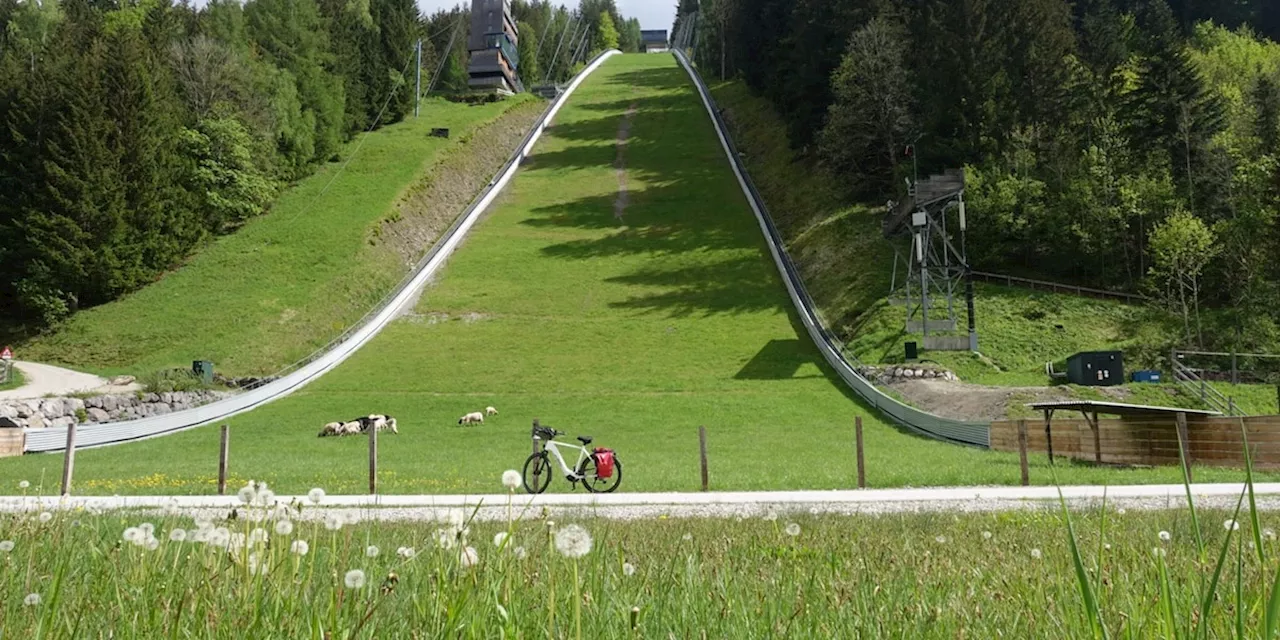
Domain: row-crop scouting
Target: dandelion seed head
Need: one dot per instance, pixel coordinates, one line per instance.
(6, 546)
(1035, 553)
(499, 538)
(468, 557)
(247, 494)
(1158, 552)
(813, 511)
(1106, 546)
(299, 547)
(266, 498)
(792, 529)
(24, 484)
(573, 541)
(45, 516)
(284, 527)
(511, 479)
(771, 515)
(1269, 534)
(446, 538)
(986, 535)
(258, 537)
(1230, 525)
(152, 544)
(354, 579)
(332, 522)
(178, 535)
(147, 528)
(406, 552)
(315, 495)
(688, 537)
(371, 551)
(31, 600)
(133, 535)
(351, 518)
(519, 553)
(940, 539)
(456, 518)
(257, 565)
(1165, 536)
(628, 569)
(1120, 511)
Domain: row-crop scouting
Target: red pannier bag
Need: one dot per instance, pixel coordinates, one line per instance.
(604, 462)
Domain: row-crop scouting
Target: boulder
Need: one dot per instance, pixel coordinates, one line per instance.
(52, 408)
(151, 397)
(908, 373)
(108, 403)
(161, 408)
(7, 411)
(97, 415)
(64, 421)
(24, 409)
(74, 406)
(121, 381)
(36, 421)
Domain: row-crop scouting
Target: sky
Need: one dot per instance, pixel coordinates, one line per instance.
(653, 14)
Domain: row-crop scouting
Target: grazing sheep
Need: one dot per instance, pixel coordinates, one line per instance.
(472, 418)
(351, 428)
(331, 429)
(490, 411)
(391, 424)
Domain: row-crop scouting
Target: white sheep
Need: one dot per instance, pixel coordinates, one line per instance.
(471, 418)
(350, 428)
(490, 411)
(331, 429)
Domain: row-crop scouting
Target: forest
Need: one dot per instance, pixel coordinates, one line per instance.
(1132, 145)
(133, 131)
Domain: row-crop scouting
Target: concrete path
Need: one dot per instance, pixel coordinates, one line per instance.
(716, 504)
(43, 379)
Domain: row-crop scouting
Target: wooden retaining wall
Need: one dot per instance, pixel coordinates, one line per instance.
(1146, 441)
(12, 442)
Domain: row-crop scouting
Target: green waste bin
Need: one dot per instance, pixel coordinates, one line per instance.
(203, 369)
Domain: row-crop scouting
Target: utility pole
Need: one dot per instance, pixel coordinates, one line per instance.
(417, 91)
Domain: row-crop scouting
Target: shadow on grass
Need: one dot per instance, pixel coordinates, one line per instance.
(779, 360)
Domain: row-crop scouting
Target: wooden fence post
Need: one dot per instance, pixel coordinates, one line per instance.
(1184, 444)
(862, 470)
(373, 460)
(1022, 452)
(702, 448)
(223, 450)
(69, 459)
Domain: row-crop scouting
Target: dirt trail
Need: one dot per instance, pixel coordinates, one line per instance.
(620, 164)
(43, 379)
(963, 401)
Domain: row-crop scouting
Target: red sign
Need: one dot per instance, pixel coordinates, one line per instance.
(7, 354)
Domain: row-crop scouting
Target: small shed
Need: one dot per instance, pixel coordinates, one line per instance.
(1096, 368)
(654, 41)
(12, 438)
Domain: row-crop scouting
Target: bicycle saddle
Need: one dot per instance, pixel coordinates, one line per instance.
(585, 440)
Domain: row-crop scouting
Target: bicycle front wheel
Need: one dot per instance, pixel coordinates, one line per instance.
(537, 473)
(596, 484)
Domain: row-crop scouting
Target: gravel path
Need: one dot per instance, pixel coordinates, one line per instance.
(43, 380)
(626, 506)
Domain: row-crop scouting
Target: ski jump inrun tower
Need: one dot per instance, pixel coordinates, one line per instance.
(937, 268)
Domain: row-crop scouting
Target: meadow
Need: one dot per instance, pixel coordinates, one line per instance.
(288, 281)
(285, 572)
(635, 331)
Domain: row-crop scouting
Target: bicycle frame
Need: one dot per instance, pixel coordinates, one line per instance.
(554, 447)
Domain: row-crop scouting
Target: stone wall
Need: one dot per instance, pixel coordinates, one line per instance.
(893, 373)
(62, 412)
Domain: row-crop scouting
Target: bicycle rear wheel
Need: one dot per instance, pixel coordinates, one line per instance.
(596, 484)
(537, 473)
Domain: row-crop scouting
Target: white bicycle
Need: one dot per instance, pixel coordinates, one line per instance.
(599, 471)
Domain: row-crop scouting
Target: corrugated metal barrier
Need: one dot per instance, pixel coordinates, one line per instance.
(972, 433)
(330, 356)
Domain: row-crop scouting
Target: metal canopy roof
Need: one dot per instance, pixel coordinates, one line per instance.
(1117, 408)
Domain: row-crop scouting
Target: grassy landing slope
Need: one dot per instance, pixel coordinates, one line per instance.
(286, 283)
(634, 331)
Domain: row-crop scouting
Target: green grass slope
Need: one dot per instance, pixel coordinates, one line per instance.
(635, 331)
(287, 282)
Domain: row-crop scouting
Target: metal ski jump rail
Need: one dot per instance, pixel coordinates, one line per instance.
(326, 358)
(972, 433)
